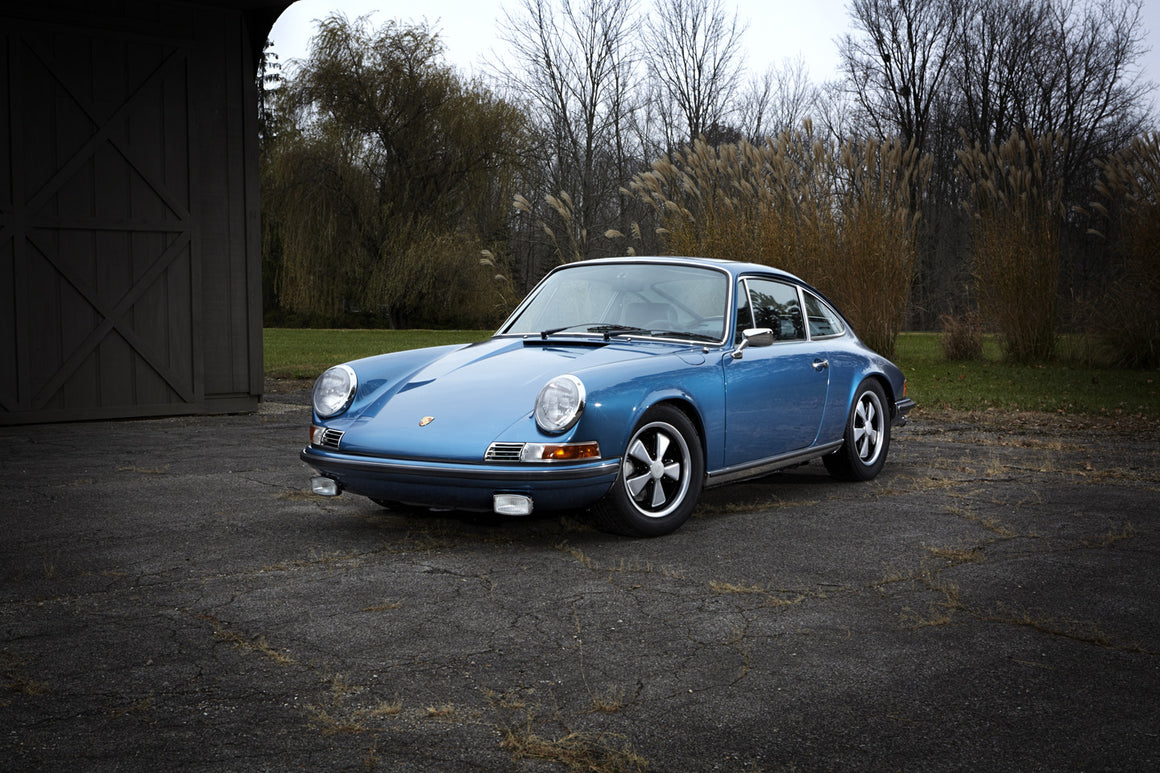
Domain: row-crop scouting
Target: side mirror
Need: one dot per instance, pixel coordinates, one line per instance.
(754, 336)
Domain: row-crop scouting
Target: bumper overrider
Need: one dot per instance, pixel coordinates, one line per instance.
(901, 408)
(508, 488)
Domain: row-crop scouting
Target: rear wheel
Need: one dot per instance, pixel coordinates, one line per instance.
(867, 437)
(660, 477)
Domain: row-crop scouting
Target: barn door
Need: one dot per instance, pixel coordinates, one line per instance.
(104, 205)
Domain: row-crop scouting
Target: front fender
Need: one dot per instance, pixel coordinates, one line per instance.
(614, 409)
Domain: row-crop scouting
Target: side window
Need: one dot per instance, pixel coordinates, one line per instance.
(824, 321)
(775, 306)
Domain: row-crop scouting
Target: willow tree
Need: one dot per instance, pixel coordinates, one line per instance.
(393, 175)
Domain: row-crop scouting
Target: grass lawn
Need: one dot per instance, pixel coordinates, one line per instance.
(991, 383)
(985, 384)
(305, 353)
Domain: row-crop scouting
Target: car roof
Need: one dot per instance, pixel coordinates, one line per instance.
(734, 267)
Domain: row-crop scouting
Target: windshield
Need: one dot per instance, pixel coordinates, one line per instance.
(638, 299)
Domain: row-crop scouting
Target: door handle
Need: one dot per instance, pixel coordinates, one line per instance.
(820, 365)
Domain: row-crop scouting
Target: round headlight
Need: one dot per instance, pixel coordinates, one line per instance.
(559, 404)
(334, 390)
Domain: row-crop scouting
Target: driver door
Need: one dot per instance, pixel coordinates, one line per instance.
(774, 395)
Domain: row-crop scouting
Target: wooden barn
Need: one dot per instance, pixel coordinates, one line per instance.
(130, 267)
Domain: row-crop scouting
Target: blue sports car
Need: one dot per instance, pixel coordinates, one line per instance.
(624, 385)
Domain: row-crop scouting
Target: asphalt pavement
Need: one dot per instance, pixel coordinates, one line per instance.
(173, 597)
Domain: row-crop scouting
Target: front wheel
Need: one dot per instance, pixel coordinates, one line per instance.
(660, 477)
(867, 438)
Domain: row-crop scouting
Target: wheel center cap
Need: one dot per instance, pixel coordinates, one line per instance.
(657, 469)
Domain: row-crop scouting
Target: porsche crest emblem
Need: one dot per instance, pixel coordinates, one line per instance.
(423, 422)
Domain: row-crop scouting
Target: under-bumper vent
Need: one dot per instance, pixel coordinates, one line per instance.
(331, 438)
(503, 452)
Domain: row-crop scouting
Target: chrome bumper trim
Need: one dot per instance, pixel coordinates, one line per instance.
(324, 461)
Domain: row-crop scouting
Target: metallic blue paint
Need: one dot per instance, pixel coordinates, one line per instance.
(776, 403)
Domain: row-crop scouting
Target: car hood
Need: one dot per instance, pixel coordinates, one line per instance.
(455, 405)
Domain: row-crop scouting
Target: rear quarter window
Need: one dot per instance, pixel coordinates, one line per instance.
(823, 321)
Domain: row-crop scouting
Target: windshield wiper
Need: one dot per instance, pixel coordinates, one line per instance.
(616, 330)
(596, 327)
(686, 334)
(609, 329)
(552, 331)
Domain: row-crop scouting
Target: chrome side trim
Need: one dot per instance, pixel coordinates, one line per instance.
(772, 464)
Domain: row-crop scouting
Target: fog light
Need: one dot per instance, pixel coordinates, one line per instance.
(512, 504)
(324, 487)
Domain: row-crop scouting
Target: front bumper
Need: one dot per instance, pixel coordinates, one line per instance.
(464, 486)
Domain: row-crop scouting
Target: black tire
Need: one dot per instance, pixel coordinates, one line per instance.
(660, 477)
(867, 437)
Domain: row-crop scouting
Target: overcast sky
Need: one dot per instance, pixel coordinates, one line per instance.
(778, 29)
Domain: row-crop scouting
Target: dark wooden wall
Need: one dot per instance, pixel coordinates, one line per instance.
(130, 281)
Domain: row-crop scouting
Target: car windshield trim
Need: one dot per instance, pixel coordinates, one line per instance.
(692, 299)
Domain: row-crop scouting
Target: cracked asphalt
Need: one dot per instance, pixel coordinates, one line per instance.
(172, 596)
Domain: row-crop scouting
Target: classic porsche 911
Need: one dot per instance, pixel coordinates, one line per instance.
(622, 385)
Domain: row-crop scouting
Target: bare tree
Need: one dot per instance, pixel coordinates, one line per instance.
(1083, 84)
(923, 69)
(779, 99)
(896, 63)
(695, 63)
(572, 63)
(998, 41)
(1053, 66)
(897, 60)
